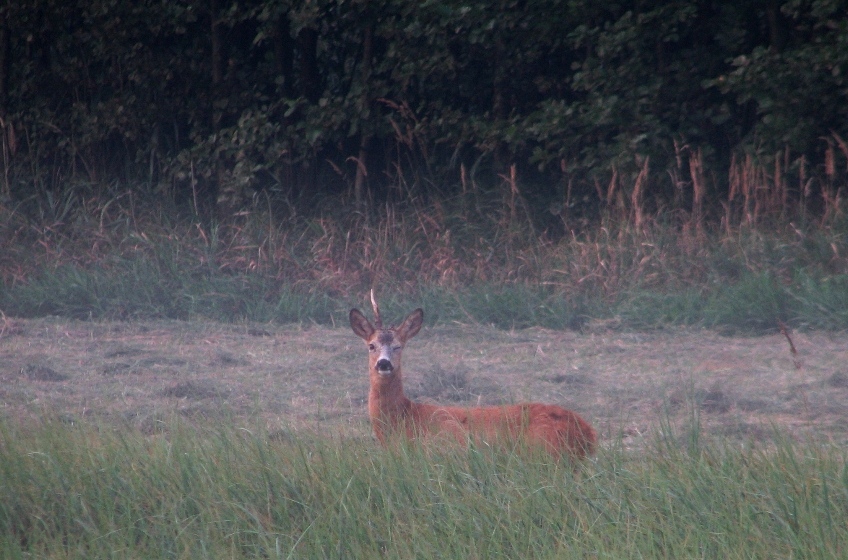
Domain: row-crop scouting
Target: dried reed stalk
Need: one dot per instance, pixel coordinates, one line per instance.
(830, 162)
(613, 184)
(696, 171)
(784, 330)
(843, 147)
(636, 198)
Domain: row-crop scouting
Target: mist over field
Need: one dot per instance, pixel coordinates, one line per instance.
(633, 211)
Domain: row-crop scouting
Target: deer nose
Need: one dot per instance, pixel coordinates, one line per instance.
(384, 365)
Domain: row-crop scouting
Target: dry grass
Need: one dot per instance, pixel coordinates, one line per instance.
(636, 239)
(313, 379)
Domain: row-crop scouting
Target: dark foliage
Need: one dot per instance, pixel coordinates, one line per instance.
(213, 102)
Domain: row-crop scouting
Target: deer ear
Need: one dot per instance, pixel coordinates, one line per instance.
(360, 325)
(411, 325)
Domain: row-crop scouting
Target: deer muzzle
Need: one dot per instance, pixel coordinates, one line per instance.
(384, 367)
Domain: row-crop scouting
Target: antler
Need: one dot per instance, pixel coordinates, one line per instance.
(378, 322)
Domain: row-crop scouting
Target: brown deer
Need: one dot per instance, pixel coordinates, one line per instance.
(557, 430)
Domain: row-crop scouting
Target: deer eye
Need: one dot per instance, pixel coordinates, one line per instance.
(372, 347)
(396, 347)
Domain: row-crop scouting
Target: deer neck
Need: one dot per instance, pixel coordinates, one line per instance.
(386, 393)
(386, 400)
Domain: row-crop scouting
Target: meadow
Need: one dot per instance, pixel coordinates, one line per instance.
(180, 387)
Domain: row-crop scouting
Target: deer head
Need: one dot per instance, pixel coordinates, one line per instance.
(384, 344)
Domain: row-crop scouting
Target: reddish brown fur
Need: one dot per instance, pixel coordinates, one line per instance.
(558, 430)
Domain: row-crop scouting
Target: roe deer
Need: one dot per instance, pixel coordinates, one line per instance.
(557, 430)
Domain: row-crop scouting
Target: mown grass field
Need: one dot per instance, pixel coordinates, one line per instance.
(200, 439)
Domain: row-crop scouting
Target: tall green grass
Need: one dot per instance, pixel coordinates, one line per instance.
(93, 491)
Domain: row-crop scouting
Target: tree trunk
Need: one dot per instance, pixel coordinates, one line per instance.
(777, 27)
(310, 88)
(364, 135)
(310, 80)
(217, 72)
(284, 54)
(4, 65)
(7, 131)
(499, 102)
(217, 60)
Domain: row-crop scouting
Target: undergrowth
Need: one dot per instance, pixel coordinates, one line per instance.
(483, 257)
